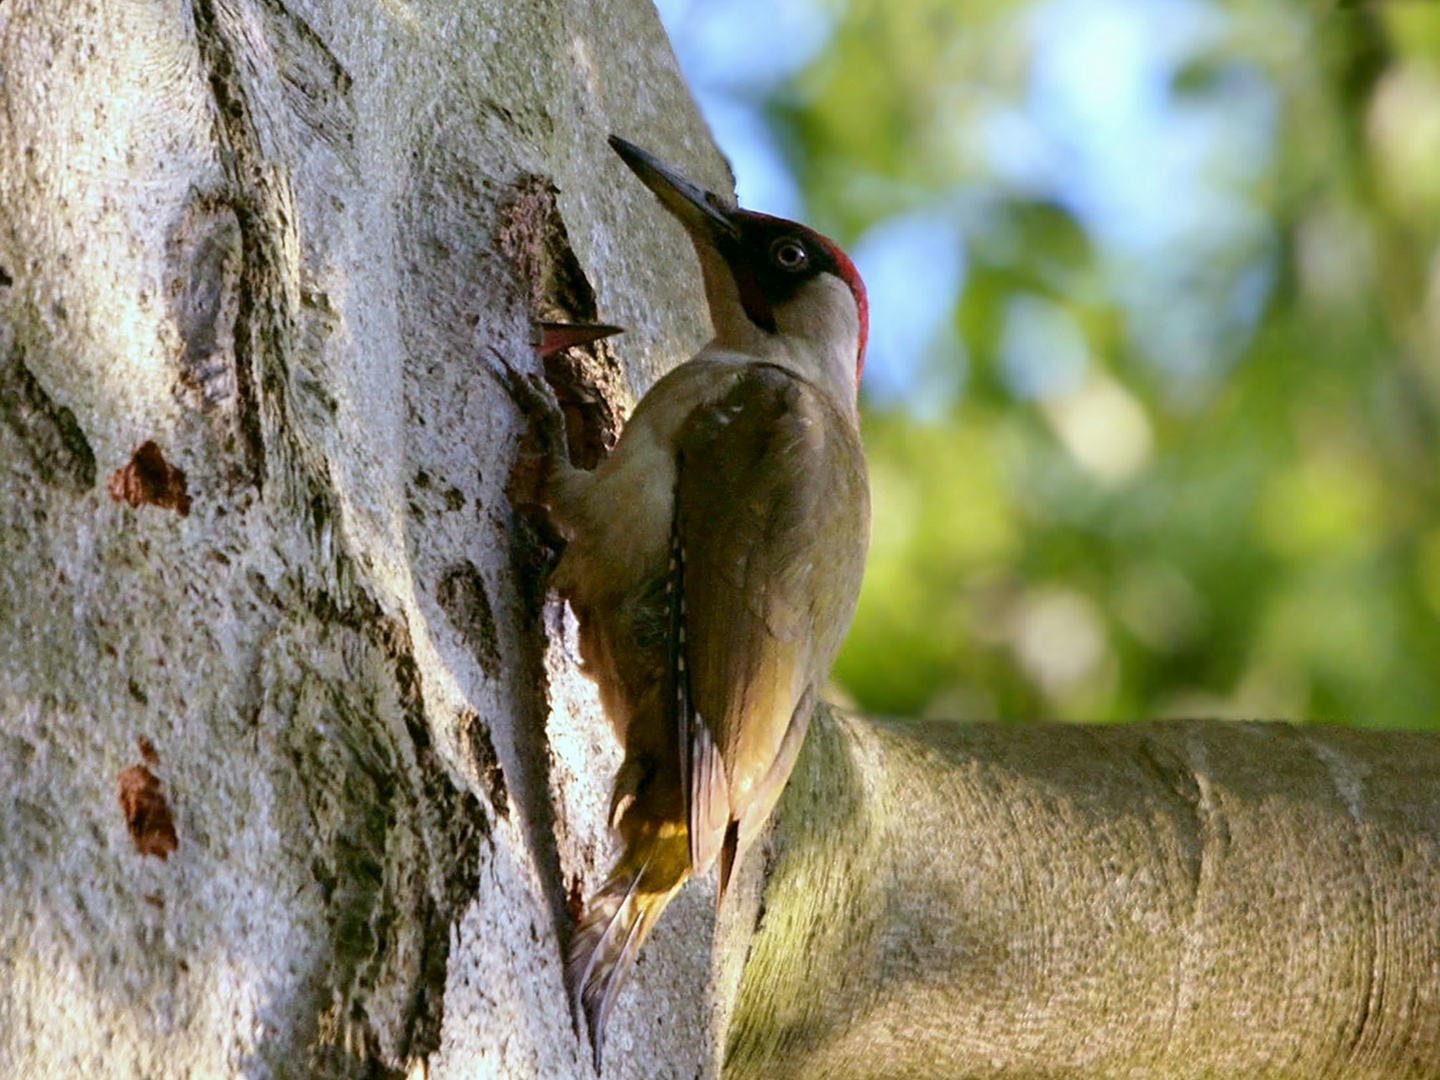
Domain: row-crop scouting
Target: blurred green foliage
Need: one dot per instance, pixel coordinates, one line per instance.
(1255, 536)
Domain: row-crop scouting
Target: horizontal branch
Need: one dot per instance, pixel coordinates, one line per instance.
(1170, 899)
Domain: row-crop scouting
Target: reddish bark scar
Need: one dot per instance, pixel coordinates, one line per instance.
(149, 478)
(148, 817)
(148, 753)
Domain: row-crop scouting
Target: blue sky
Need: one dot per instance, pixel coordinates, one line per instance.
(1163, 183)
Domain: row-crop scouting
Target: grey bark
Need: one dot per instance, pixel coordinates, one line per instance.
(301, 777)
(1163, 900)
(288, 243)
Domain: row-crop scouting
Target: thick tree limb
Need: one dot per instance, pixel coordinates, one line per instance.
(1165, 900)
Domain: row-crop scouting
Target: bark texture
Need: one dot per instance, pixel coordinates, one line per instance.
(1164, 900)
(283, 794)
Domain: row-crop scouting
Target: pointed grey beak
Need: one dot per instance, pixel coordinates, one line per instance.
(703, 213)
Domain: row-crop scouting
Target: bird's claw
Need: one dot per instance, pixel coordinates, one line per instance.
(536, 400)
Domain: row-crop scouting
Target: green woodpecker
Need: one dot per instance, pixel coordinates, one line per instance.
(713, 560)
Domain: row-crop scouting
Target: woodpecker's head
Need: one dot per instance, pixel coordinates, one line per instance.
(777, 290)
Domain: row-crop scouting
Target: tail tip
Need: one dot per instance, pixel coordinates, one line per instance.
(607, 940)
(600, 960)
(597, 1046)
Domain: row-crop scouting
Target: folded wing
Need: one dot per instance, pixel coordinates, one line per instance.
(763, 594)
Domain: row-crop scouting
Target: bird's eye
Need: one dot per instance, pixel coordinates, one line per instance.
(789, 254)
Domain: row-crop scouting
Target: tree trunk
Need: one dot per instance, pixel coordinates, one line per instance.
(283, 248)
(303, 780)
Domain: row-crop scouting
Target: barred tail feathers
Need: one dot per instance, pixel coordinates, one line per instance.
(616, 922)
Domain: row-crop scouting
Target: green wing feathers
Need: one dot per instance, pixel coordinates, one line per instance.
(779, 477)
(709, 664)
